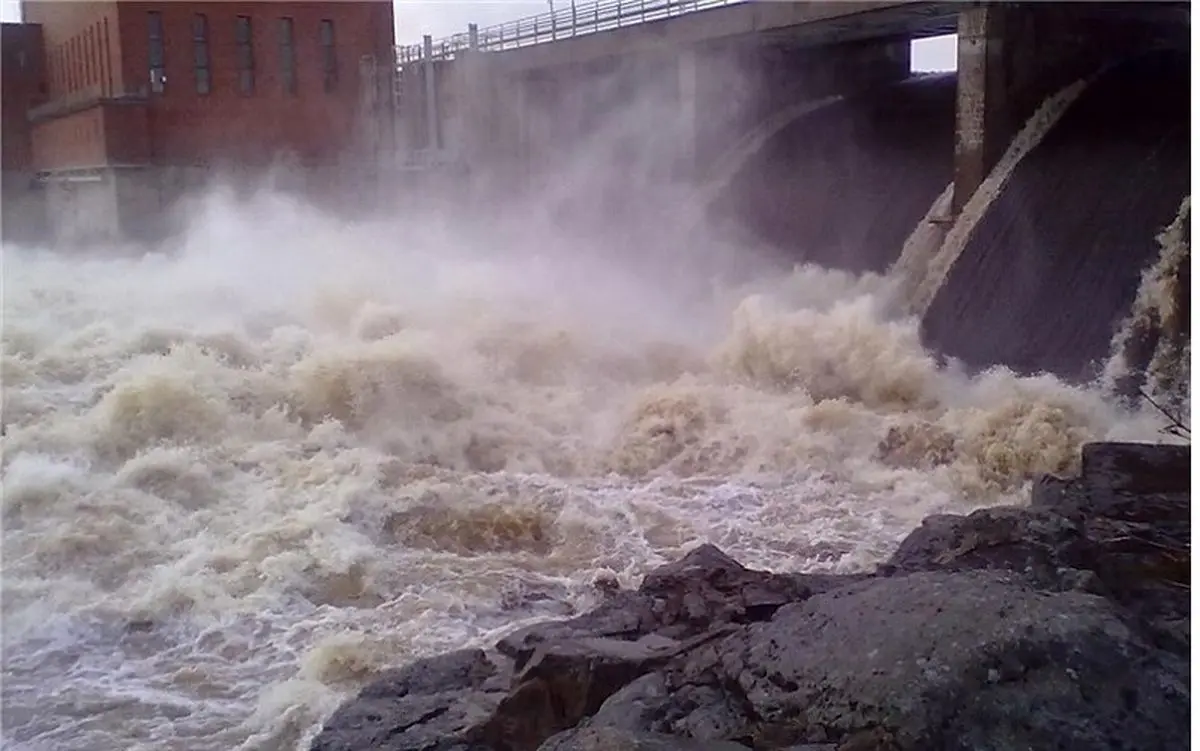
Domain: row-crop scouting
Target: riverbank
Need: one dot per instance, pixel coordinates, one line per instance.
(1061, 624)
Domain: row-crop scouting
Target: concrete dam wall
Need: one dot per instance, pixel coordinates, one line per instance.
(1050, 270)
(844, 186)
(1054, 264)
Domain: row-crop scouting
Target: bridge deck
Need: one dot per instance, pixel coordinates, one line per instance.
(614, 27)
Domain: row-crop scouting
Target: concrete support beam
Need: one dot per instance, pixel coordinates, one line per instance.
(984, 118)
(473, 94)
(1012, 56)
(688, 102)
(432, 118)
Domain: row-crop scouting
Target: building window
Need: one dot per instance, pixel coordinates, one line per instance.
(245, 55)
(287, 55)
(328, 55)
(200, 51)
(158, 68)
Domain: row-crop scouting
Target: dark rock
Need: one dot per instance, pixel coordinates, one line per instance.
(626, 615)
(1136, 467)
(969, 660)
(526, 597)
(139, 626)
(1131, 547)
(1036, 543)
(706, 588)
(613, 739)
(680, 600)
(1064, 625)
(436, 704)
(567, 681)
(1052, 493)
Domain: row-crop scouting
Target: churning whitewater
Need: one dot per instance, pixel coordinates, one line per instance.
(241, 477)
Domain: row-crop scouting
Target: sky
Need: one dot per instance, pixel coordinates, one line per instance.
(440, 18)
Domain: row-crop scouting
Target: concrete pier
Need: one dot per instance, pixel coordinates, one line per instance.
(984, 118)
(1012, 56)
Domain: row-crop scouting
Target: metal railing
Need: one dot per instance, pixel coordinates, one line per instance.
(562, 23)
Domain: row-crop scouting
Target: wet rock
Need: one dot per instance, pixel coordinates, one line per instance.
(612, 739)
(1136, 468)
(1052, 493)
(567, 681)
(952, 660)
(625, 615)
(1111, 531)
(701, 591)
(436, 704)
(528, 596)
(706, 587)
(1036, 543)
(1061, 625)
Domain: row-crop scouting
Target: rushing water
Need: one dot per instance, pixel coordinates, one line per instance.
(240, 478)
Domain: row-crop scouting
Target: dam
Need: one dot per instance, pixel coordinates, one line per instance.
(621, 282)
(801, 123)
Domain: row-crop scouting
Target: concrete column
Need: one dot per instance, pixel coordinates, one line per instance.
(689, 114)
(517, 105)
(984, 118)
(478, 108)
(432, 118)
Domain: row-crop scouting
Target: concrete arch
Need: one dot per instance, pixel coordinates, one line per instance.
(735, 158)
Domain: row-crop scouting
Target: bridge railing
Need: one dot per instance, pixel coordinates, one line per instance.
(562, 23)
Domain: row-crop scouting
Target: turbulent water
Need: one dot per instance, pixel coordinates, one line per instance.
(241, 477)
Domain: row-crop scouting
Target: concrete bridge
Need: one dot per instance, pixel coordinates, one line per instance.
(515, 100)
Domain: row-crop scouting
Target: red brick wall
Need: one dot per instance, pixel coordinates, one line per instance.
(75, 140)
(225, 125)
(20, 88)
(83, 48)
(108, 133)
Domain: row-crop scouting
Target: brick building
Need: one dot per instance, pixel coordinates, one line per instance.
(138, 101)
(22, 86)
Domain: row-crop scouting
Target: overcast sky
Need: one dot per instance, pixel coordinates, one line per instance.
(415, 18)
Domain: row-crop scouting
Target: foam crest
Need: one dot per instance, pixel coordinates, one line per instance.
(1152, 348)
(845, 352)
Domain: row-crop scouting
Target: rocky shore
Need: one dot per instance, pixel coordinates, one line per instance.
(1060, 625)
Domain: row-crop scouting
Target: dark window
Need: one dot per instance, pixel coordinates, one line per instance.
(328, 55)
(245, 55)
(200, 50)
(158, 67)
(287, 55)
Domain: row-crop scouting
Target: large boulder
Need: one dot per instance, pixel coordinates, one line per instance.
(701, 591)
(600, 738)
(437, 704)
(1121, 529)
(547, 677)
(566, 681)
(975, 660)
(1062, 625)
